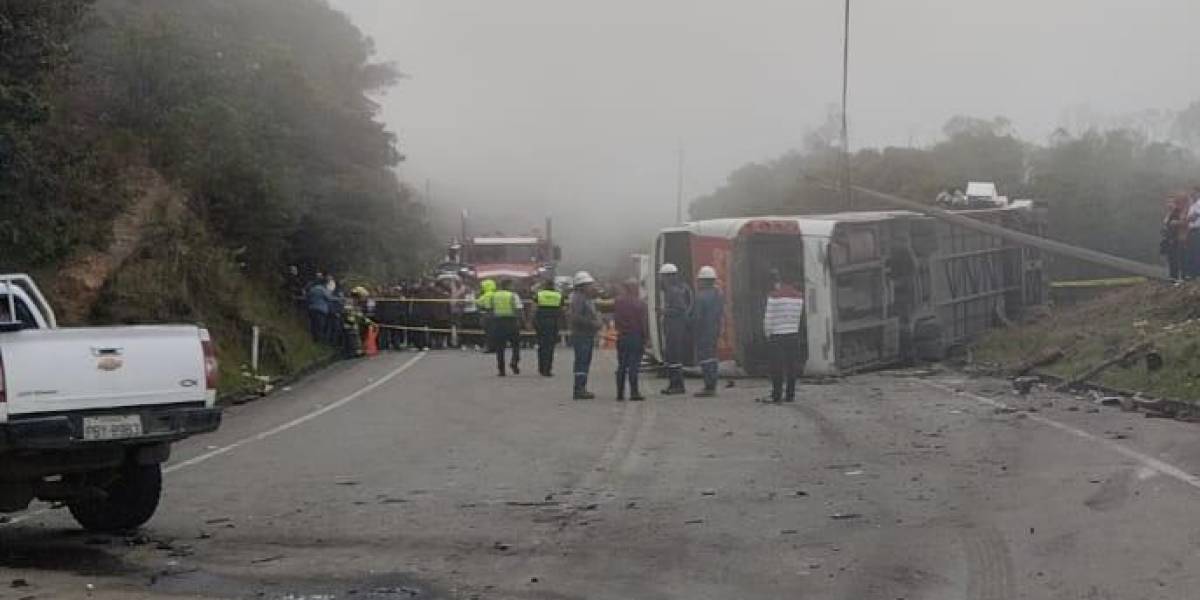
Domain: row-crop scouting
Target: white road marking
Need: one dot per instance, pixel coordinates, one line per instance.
(297, 421)
(191, 462)
(1147, 461)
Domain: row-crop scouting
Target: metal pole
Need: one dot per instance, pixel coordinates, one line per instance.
(845, 123)
(254, 333)
(1019, 237)
(679, 188)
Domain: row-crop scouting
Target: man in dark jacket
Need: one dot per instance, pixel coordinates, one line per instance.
(629, 316)
(709, 314)
(676, 308)
(585, 323)
(318, 297)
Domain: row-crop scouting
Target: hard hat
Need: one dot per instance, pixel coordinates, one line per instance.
(706, 272)
(668, 269)
(360, 291)
(583, 278)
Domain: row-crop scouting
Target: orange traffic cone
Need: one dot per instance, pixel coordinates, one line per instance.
(371, 344)
(608, 338)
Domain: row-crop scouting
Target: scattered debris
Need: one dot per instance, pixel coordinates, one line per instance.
(532, 504)
(19, 583)
(708, 493)
(1024, 385)
(844, 516)
(501, 546)
(789, 532)
(801, 493)
(854, 473)
(393, 501)
(693, 522)
(218, 520)
(267, 559)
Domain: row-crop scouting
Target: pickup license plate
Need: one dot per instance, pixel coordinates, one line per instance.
(114, 427)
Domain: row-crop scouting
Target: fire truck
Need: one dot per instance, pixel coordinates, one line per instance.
(525, 260)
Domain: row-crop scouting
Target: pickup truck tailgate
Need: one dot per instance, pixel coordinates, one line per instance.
(53, 370)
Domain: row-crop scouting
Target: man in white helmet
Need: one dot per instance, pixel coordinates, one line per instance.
(676, 309)
(585, 323)
(708, 314)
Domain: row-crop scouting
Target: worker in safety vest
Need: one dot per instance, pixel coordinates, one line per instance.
(487, 288)
(549, 311)
(708, 314)
(506, 326)
(676, 310)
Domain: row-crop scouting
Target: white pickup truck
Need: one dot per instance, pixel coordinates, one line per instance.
(88, 415)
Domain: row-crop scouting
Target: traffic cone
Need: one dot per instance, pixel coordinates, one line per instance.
(371, 344)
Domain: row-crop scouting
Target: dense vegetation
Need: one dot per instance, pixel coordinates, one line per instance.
(258, 116)
(1104, 189)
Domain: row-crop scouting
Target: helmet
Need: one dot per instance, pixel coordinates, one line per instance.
(360, 291)
(583, 278)
(706, 272)
(668, 269)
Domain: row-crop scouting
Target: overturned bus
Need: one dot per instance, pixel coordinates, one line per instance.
(881, 288)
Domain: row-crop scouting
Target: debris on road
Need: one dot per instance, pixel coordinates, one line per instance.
(693, 522)
(789, 532)
(501, 546)
(267, 559)
(19, 583)
(845, 516)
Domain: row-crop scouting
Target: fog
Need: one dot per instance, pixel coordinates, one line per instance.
(518, 109)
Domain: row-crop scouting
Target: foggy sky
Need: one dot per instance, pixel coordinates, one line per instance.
(520, 108)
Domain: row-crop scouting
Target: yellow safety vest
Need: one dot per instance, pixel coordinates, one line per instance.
(504, 303)
(549, 299)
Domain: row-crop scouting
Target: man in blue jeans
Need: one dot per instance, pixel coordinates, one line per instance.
(585, 322)
(629, 315)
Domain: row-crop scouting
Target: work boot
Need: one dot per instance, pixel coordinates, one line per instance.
(583, 395)
(620, 386)
(516, 369)
(705, 393)
(634, 396)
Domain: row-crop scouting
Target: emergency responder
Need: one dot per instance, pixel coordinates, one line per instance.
(355, 322)
(549, 310)
(708, 315)
(486, 289)
(676, 308)
(585, 322)
(506, 326)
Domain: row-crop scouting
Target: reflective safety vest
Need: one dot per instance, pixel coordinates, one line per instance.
(504, 303)
(549, 299)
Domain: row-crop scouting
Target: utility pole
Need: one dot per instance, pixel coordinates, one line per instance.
(845, 124)
(679, 188)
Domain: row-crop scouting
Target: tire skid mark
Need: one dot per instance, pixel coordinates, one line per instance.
(989, 564)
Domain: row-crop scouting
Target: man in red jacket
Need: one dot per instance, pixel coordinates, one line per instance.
(631, 319)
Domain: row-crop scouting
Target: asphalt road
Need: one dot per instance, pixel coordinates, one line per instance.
(425, 476)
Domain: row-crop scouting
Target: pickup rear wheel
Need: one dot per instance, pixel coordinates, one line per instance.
(129, 500)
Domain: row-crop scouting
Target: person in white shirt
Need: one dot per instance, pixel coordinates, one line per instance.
(1191, 260)
(783, 324)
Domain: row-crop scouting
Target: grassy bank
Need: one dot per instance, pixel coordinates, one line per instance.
(1104, 328)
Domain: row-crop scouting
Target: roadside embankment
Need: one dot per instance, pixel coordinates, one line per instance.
(1141, 339)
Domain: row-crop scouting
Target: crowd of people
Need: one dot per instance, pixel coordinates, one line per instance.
(1180, 243)
(445, 311)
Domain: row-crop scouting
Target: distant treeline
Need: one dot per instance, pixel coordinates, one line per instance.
(257, 111)
(1104, 189)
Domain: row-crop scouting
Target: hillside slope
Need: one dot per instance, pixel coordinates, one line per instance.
(1165, 317)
